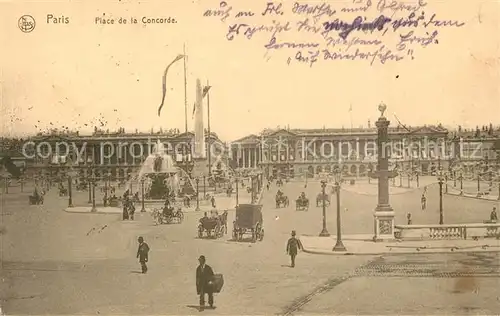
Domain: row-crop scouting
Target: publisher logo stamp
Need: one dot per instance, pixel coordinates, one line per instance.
(26, 23)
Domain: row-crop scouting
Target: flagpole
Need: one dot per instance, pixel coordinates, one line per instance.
(209, 135)
(185, 92)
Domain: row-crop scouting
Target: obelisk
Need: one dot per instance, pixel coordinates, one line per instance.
(199, 131)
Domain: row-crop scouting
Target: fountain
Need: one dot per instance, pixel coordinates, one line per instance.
(161, 175)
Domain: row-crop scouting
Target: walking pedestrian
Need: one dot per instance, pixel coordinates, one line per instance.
(292, 247)
(142, 254)
(493, 215)
(213, 201)
(408, 217)
(204, 282)
(423, 200)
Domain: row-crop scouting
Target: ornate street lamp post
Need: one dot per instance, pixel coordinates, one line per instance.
(454, 179)
(106, 179)
(22, 185)
(252, 188)
(461, 184)
(490, 176)
(446, 183)
(416, 175)
(5, 177)
(478, 185)
(71, 174)
(204, 187)
(339, 246)
(440, 181)
(324, 231)
(143, 209)
(6, 182)
(93, 183)
(197, 194)
(237, 192)
(91, 171)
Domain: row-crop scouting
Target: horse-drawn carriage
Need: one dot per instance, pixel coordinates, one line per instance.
(36, 199)
(167, 215)
(281, 200)
(248, 221)
(302, 203)
(80, 186)
(213, 227)
(322, 197)
(63, 191)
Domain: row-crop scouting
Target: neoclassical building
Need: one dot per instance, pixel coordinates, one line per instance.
(118, 154)
(310, 152)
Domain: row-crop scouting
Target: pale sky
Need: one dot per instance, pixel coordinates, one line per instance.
(74, 74)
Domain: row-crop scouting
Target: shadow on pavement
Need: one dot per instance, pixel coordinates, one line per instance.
(200, 308)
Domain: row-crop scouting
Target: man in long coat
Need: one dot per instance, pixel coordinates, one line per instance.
(292, 248)
(143, 254)
(204, 282)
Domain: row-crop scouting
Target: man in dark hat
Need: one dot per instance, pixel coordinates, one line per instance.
(292, 247)
(142, 254)
(204, 282)
(493, 215)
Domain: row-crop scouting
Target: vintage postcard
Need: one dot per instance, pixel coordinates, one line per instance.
(250, 157)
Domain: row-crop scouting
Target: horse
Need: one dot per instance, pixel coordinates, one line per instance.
(223, 220)
(302, 203)
(281, 200)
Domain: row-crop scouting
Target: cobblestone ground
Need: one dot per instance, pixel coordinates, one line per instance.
(55, 262)
(455, 284)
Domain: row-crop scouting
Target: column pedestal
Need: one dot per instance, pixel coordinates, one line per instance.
(383, 219)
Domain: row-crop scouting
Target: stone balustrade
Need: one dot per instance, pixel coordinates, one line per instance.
(452, 231)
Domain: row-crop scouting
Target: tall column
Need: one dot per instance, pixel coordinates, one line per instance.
(254, 157)
(384, 214)
(117, 155)
(357, 153)
(244, 158)
(240, 157)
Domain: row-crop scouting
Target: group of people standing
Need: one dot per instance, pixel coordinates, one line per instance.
(128, 206)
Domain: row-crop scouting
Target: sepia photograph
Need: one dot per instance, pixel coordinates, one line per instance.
(250, 157)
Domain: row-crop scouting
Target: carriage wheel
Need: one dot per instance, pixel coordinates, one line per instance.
(235, 234)
(261, 235)
(200, 231)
